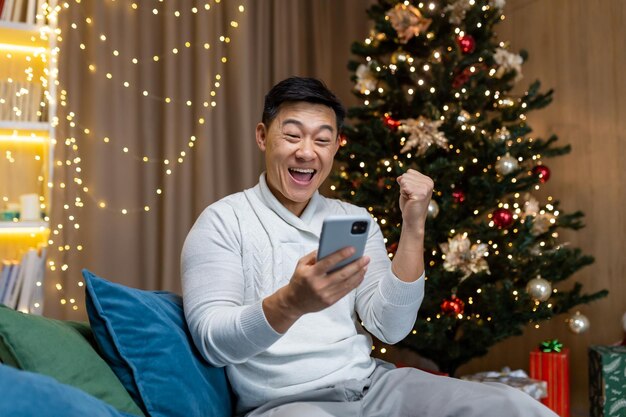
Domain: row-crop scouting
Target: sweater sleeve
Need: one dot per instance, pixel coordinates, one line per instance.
(224, 330)
(386, 305)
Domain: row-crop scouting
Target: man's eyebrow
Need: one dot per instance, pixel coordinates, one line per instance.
(300, 124)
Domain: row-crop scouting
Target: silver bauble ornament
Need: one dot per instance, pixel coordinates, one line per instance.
(463, 116)
(506, 164)
(433, 209)
(578, 323)
(539, 289)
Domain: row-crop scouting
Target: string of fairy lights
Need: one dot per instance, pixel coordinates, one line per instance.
(80, 131)
(179, 156)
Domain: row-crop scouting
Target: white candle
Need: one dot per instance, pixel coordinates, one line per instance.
(29, 207)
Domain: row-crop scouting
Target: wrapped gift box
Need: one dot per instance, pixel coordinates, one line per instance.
(607, 381)
(553, 367)
(516, 379)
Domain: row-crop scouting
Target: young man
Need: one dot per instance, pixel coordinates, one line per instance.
(258, 302)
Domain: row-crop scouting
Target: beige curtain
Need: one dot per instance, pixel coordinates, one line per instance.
(106, 128)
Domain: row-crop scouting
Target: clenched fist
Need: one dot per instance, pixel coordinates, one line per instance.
(415, 192)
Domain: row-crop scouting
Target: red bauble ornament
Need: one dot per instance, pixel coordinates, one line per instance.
(343, 140)
(453, 306)
(459, 196)
(460, 79)
(543, 172)
(392, 248)
(502, 217)
(464, 76)
(466, 43)
(391, 123)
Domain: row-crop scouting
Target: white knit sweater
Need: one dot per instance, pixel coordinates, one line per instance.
(245, 247)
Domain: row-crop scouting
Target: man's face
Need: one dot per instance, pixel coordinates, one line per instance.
(300, 145)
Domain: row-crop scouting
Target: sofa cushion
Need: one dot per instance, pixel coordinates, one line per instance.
(61, 350)
(30, 394)
(144, 338)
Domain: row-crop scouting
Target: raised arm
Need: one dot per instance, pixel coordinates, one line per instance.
(415, 192)
(390, 296)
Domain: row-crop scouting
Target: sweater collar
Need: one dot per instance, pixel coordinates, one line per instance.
(269, 199)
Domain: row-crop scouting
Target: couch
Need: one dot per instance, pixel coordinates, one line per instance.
(135, 357)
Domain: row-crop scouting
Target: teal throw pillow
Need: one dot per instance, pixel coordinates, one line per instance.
(144, 338)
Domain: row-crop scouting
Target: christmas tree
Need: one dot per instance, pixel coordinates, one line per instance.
(437, 92)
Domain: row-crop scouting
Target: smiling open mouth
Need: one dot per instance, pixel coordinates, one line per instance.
(302, 174)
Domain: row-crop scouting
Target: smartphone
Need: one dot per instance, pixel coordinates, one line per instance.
(342, 231)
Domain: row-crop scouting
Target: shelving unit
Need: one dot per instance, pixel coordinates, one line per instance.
(28, 69)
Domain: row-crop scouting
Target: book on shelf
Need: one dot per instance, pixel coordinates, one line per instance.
(9, 285)
(20, 287)
(18, 9)
(37, 299)
(32, 281)
(31, 11)
(40, 9)
(7, 267)
(7, 10)
(12, 296)
(23, 11)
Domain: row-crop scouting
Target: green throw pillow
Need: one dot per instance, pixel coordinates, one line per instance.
(63, 350)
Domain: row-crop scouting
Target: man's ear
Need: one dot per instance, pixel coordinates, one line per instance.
(337, 145)
(261, 136)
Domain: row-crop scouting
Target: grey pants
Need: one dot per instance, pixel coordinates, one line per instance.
(407, 392)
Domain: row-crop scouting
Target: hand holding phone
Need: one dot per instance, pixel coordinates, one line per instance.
(341, 231)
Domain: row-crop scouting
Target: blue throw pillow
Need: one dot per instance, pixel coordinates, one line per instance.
(144, 338)
(27, 394)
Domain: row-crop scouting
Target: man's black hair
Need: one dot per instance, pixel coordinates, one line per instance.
(295, 89)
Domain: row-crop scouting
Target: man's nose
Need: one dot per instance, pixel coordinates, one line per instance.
(306, 150)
